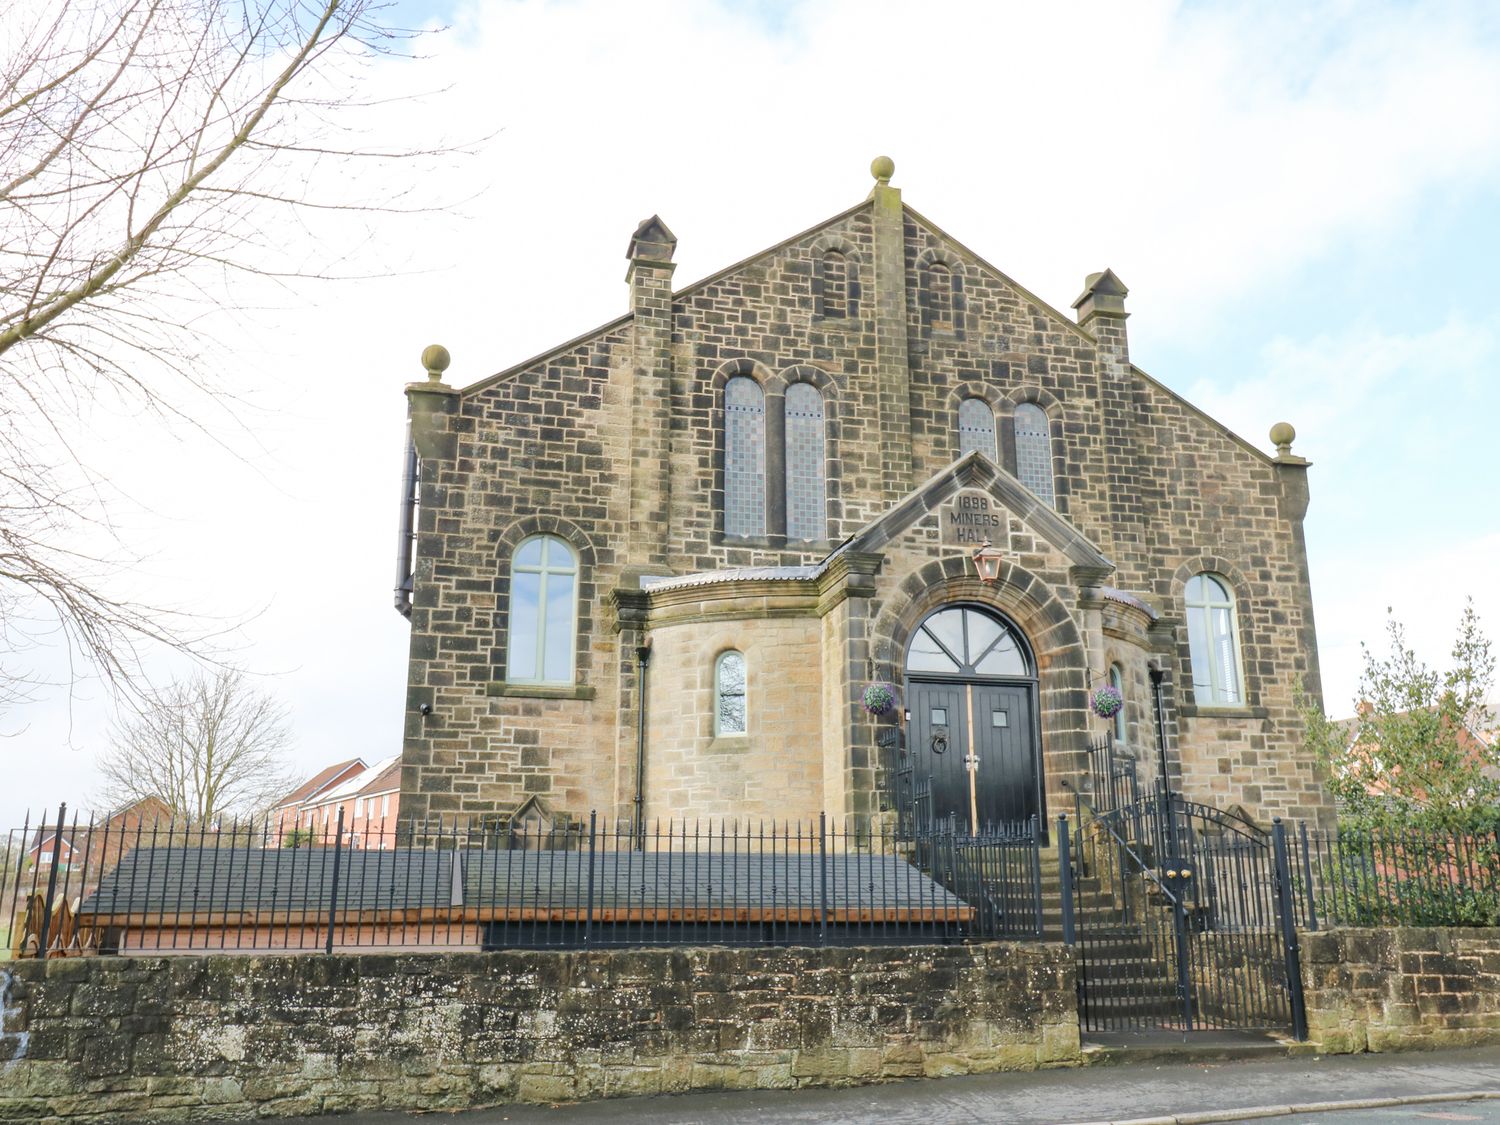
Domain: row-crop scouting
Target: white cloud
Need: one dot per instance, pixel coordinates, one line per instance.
(1202, 153)
(1358, 392)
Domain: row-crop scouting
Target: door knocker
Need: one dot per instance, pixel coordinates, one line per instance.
(940, 741)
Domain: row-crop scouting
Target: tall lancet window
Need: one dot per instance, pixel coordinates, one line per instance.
(833, 300)
(976, 428)
(940, 297)
(806, 506)
(1034, 450)
(744, 457)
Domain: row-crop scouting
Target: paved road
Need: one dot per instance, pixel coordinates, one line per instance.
(1057, 1097)
(1482, 1113)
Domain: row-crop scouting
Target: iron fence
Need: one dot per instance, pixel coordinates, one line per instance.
(488, 883)
(1112, 777)
(1396, 876)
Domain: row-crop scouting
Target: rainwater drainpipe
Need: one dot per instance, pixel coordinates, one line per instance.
(406, 527)
(642, 659)
(1157, 676)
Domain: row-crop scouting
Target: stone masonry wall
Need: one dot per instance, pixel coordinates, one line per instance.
(774, 771)
(195, 1038)
(1399, 989)
(553, 447)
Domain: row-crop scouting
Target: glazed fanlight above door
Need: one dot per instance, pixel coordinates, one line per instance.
(964, 641)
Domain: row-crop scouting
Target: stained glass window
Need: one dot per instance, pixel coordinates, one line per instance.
(1213, 642)
(976, 428)
(543, 607)
(806, 508)
(729, 694)
(744, 457)
(1034, 450)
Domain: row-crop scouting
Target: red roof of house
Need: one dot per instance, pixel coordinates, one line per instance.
(388, 778)
(319, 782)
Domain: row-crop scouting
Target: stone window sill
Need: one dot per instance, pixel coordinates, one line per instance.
(539, 691)
(729, 743)
(1191, 711)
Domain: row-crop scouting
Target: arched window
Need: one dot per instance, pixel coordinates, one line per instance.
(806, 508)
(939, 297)
(543, 611)
(964, 641)
(729, 693)
(1213, 642)
(1034, 450)
(976, 428)
(744, 457)
(1117, 681)
(833, 298)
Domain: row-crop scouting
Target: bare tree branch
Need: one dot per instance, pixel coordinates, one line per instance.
(145, 145)
(208, 747)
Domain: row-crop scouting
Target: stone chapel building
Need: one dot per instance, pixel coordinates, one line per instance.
(750, 499)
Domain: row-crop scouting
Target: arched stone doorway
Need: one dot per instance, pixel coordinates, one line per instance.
(972, 733)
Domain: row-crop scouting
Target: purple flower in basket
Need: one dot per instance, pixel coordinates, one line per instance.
(879, 698)
(1107, 701)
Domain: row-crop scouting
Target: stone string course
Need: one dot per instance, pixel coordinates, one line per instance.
(196, 1038)
(1399, 989)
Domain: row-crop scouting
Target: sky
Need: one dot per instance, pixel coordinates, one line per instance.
(1302, 198)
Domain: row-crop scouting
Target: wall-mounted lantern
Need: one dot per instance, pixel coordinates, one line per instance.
(987, 560)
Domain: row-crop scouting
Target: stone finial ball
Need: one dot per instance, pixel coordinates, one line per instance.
(883, 168)
(435, 359)
(1282, 435)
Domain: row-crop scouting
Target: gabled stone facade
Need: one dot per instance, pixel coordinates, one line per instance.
(615, 444)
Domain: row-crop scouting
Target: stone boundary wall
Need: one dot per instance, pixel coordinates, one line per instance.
(196, 1037)
(1401, 989)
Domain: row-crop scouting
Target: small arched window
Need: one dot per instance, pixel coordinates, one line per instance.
(1213, 642)
(833, 298)
(976, 428)
(940, 297)
(543, 611)
(1034, 450)
(806, 508)
(1117, 681)
(729, 693)
(744, 457)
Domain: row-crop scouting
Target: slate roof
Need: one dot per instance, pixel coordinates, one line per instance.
(732, 574)
(208, 880)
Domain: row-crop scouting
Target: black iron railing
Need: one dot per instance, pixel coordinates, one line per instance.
(1396, 876)
(1112, 777)
(488, 883)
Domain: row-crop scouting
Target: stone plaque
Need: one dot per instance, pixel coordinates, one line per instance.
(972, 518)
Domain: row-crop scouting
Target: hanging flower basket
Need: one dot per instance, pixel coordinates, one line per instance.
(1107, 701)
(879, 698)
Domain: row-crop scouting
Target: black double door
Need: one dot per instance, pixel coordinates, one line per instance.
(973, 752)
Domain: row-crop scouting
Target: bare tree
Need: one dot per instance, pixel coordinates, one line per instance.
(152, 154)
(207, 746)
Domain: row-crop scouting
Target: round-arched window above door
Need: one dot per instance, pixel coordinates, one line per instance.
(966, 641)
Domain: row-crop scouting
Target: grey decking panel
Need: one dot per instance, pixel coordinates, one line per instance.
(187, 880)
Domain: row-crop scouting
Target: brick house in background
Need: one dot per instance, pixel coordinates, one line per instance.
(286, 815)
(745, 501)
(97, 846)
(369, 798)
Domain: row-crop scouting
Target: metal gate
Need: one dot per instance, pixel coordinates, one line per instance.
(1184, 920)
